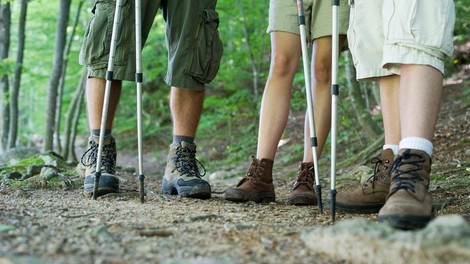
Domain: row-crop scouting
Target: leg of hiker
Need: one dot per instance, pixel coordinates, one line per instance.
(95, 58)
(185, 20)
(257, 185)
(285, 43)
(370, 196)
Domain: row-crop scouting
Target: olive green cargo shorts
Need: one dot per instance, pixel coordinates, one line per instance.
(192, 39)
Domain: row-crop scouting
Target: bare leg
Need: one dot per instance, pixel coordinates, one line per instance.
(95, 90)
(277, 94)
(420, 98)
(389, 90)
(186, 107)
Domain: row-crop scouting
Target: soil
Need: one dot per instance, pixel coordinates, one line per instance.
(51, 225)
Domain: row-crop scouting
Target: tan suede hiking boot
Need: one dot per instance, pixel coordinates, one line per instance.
(108, 182)
(371, 195)
(303, 191)
(182, 176)
(409, 204)
(256, 186)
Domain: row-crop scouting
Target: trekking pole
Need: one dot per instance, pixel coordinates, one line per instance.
(109, 79)
(138, 81)
(334, 97)
(308, 90)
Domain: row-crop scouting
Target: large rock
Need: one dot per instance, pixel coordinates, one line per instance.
(446, 239)
(12, 156)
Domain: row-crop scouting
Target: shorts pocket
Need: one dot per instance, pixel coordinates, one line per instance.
(207, 50)
(97, 40)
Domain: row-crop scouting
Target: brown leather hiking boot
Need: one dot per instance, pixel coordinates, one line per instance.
(256, 186)
(409, 204)
(303, 192)
(371, 195)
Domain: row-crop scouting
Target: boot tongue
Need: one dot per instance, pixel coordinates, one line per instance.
(188, 145)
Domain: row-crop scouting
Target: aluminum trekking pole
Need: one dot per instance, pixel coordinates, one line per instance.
(138, 81)
(334, 97)
(109, 79)
(308, 90)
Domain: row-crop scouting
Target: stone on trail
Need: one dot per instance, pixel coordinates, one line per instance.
(446, 239)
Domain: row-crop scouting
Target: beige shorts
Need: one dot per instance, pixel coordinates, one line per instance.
(383, 34)
(283, 16)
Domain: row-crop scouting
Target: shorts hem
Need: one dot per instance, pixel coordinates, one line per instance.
(397, 54)
(118, 74)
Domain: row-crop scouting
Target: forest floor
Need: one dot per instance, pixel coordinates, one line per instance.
(51, 225)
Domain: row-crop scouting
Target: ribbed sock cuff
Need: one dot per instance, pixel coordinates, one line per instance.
(394, 148)
(417, 143)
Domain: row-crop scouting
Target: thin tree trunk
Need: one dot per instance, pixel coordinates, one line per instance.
(62, 79)
(5, 26)
(57, 66)
(76, 118)
(71, 113)
(15, 91)
(254, 66)
(362, 113)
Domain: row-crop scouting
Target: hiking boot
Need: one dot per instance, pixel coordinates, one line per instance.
(108, 182)
(182, 175)
(303, 192)
(256, 186)
(409, 204)
(371, 195)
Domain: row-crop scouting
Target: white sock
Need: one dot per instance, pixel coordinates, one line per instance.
(394, 148)
(417, 143)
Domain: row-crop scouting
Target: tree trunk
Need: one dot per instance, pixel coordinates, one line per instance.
(15, 91)
(254, 66)
(57, 67)
(364, 118)
(5, 25)
(71, 116)
(62, 80)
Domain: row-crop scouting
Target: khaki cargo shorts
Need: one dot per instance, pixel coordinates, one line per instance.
(383, 34)
(192, 39)
(283, 16)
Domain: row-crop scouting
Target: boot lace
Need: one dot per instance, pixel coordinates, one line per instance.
(108, 162)
(305, 176)
(186, 163)
(406, 179)
(379, 166)
(254, 172)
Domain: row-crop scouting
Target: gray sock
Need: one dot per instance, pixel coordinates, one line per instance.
(96, 133)
(178, 139)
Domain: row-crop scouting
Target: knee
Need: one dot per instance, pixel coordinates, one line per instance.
(283, 65)
(322, 73)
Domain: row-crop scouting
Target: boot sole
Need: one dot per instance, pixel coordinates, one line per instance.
(107, 184)
(354, 209)
(302, 200)
(405, 222)
(240, 196)
(201, 191)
